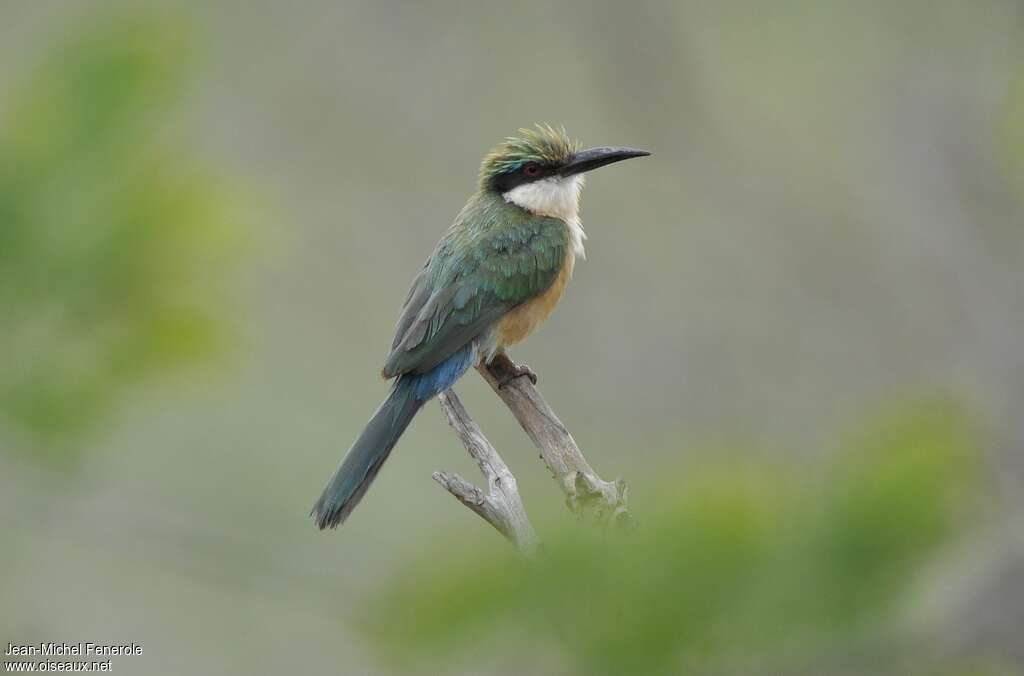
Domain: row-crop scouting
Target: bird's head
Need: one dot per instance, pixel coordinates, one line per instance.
(541, 169)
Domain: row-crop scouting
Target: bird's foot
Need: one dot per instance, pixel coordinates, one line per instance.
(517, 371)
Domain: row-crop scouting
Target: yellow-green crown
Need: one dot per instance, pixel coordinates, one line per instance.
(543, 144)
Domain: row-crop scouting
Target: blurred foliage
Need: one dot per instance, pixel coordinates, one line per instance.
(113, 238)
(736, 563)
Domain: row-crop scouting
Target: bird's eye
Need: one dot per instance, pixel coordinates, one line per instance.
(531, 169)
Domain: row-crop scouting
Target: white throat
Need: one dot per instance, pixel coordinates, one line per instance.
(555, 197)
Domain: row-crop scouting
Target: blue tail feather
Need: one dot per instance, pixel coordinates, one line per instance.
(444, 375)
(362, 462)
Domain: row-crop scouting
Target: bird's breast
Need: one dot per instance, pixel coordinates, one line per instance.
(521, 322)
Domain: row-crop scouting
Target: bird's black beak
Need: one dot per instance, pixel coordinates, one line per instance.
(592, 158)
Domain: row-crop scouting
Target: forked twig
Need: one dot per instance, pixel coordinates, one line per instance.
(502, 507)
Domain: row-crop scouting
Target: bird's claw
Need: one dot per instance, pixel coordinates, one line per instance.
(518, 371)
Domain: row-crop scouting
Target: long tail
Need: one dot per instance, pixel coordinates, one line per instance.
(362, 462)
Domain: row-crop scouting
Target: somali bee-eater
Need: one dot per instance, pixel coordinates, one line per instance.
(495, 276)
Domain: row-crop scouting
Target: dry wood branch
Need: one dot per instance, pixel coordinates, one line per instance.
(587, 495)
(501, 507)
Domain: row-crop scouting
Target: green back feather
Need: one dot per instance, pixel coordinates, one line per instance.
(493, 258)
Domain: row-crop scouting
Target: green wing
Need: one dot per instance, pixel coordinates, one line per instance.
(490, 261)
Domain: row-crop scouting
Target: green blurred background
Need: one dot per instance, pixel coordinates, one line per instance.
(797, 335)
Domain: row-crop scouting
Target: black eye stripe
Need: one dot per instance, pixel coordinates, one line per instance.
(504, 182)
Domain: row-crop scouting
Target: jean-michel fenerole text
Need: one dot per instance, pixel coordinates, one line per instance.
(88, 649)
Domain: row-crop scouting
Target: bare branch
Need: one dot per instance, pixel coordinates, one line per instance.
(501, 507)
(587, 495)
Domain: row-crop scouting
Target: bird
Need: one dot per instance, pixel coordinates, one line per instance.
(495, 276)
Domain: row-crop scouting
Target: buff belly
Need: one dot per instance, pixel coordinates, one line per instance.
(521, 322)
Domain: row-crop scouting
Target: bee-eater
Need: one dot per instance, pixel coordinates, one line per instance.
(494, 277)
